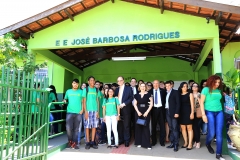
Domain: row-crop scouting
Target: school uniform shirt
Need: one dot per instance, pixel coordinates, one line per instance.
(35, 96)
(91, 98)
(74, 100)
(111, 106)
(212, 100)
(51, 98)
(101, 98)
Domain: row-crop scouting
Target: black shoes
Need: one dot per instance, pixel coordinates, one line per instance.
(87, 146)
(219, 156)
(171, 145)
(210, 149)
(94, 146)
(175, 148)
(126, 144)
(162, 144)
(184, 147)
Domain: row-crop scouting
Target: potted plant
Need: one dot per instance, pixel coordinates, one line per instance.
(232, 81)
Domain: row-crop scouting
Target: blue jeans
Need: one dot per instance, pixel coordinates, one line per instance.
(204, 128)
(215, 126)
(73, 121)
(80, 130)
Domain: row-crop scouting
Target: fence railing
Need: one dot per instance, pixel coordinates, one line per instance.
(24, 115)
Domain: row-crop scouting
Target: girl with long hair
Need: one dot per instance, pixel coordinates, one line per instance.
(186, 115)
(195, 89)
(111, 113)
(212, 113)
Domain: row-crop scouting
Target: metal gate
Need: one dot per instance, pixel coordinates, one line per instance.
(24, 115)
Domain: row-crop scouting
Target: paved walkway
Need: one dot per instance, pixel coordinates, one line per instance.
(134, 153)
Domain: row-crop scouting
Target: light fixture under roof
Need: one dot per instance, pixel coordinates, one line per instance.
(128, 58)
(238, 31)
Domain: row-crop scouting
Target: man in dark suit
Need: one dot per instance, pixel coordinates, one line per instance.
(135, 90)
(172, 113)
(125, 96)
(158, 113)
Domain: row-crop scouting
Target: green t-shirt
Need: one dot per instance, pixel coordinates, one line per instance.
(212, 100)
(91, 99)
(74, 100)
(35, 96)
(51, 98)
(111, 106)
(101, 98)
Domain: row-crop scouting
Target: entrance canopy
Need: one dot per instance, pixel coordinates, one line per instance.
(84, 36)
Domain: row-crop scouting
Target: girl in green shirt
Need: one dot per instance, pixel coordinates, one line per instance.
(111, 112)
(212, 113)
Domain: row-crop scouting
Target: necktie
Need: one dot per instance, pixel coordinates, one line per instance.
(156, 98)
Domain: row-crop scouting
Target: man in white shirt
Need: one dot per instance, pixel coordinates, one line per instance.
(125, 96)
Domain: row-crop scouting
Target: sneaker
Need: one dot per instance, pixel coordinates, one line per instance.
(94, 146)
(69, 145)
(210, 149)
(230, 146)
(74, 146)
(149, 148)
(87, 146)
(115, 146)
(219, 156)
(101, 143)
(215, 140)
(139, 146)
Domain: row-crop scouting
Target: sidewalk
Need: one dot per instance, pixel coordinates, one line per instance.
(134, 153)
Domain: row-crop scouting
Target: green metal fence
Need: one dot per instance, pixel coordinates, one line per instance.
(24, 116)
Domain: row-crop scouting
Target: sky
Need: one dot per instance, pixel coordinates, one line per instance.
(229, 2)
(13, 11)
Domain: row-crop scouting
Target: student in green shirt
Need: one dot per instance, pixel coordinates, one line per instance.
(74, 113)
(53, 98)
(91, 110)
(212, 113)
(111, 113)
(102, 138)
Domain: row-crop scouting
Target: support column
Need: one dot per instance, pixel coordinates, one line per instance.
(217, 62)
(196, 77)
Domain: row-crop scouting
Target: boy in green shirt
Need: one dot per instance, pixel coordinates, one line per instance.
(74, 113)
(91, 108)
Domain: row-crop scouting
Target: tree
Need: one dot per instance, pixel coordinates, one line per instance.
(11, 49)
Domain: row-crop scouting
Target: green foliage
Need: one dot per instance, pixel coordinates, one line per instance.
(11, 49)
(232, 78)
(237, 115)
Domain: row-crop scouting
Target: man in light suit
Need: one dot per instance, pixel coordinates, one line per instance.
(125, 96)
(172, 113)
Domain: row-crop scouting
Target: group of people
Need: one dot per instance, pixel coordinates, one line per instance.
(140, 106)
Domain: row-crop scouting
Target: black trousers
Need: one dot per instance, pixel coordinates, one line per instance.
(158, 116)
(173, 127)
(196, 129)
(124, 128)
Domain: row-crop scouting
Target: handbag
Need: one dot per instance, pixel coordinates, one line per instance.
(198, 109)
(142, 122)
(198, 112)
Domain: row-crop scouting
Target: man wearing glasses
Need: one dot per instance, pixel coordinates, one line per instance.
(125, 96)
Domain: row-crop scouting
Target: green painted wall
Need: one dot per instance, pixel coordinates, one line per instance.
(231, 51)
(110, 20)
(153, 68)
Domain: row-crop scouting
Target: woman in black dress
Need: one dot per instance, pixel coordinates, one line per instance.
(186, 115)
(143, 104)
